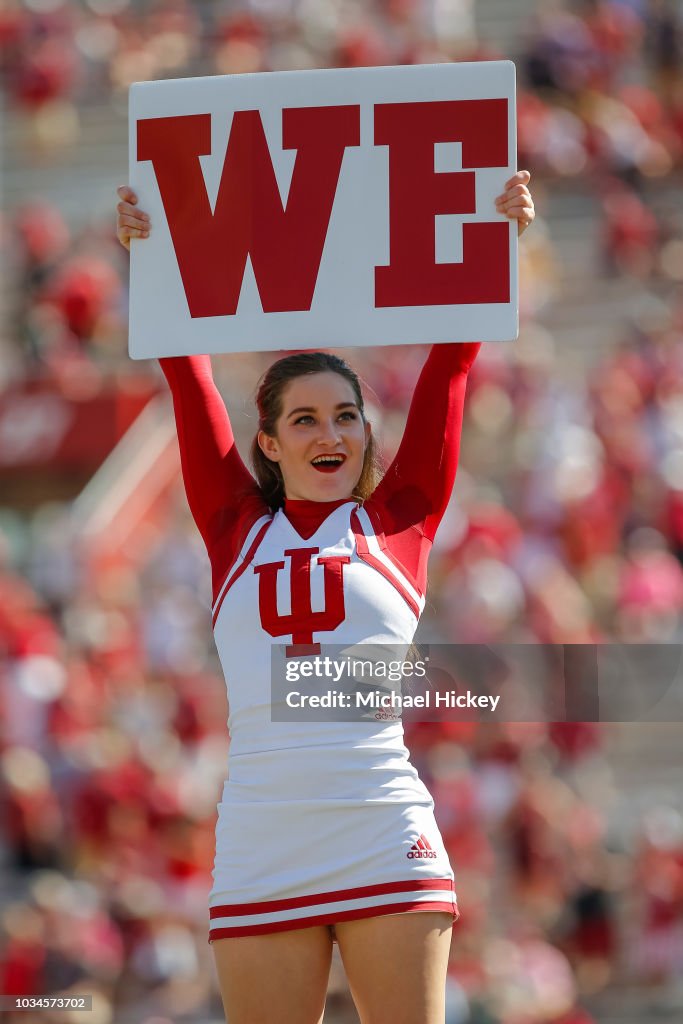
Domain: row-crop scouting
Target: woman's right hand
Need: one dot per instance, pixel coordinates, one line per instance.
(130, 222)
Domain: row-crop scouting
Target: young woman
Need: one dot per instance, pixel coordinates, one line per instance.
(325, 832)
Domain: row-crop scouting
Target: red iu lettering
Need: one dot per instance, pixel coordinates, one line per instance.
(417, 194)
(285, 243)
(302, 622)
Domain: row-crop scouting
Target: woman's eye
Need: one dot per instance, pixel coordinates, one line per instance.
(349, 415)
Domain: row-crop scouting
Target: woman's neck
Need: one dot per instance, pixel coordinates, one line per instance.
(314, 501)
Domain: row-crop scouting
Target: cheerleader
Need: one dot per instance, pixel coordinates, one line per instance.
(325, 832)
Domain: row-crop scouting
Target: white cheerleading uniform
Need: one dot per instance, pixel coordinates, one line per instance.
(326, 821)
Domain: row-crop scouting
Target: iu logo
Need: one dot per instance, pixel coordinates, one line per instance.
(302, 621)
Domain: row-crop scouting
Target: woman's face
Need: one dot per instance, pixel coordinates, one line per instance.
(320, 438)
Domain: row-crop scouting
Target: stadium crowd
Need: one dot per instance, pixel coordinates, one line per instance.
(566, 527)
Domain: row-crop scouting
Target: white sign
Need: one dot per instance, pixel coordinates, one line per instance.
(323, 209)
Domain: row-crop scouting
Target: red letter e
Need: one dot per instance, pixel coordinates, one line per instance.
(417, 194)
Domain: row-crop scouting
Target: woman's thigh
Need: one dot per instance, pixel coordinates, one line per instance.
(279, 978)
(396, 966)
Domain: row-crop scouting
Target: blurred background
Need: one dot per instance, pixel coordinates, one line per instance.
(566, 525)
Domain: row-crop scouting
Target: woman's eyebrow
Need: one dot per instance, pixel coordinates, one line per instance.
(311, 408)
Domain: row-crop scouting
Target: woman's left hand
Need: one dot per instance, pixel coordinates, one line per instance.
(516, 201)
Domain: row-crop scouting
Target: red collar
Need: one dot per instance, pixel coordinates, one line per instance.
(306, 516)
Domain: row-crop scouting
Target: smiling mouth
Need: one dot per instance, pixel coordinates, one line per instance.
(328, 463)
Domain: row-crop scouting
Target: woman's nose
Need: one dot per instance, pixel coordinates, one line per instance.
(329, 432)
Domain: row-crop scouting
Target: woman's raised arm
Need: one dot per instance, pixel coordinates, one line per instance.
(216, 480)
(417, 486)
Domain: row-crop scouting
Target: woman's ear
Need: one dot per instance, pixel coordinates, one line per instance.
(269, 446)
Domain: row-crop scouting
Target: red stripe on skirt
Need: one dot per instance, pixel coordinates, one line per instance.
(293, 902)
(333, 918)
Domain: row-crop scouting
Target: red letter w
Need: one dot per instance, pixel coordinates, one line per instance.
(285, 243)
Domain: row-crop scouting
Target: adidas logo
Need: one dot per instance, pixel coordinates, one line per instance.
(421, 849)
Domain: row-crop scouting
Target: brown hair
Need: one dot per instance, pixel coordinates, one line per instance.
(269, 405)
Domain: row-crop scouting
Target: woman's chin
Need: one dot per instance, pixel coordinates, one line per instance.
(332, 493)
(328, 488)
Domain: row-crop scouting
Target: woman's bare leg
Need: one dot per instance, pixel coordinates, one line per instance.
(275, 979)
(396, 966)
